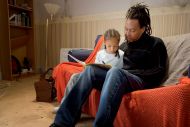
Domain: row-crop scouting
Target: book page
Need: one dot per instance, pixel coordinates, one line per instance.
(105, 66)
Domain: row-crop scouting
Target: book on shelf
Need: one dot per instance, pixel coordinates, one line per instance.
(12, 2)
(12, 16)
(21, 19)
(19, 22)
(13, 19)
(105, 66)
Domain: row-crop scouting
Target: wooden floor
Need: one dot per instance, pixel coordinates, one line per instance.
(18, 107)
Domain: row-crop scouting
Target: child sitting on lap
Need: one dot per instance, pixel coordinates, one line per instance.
(111, 55)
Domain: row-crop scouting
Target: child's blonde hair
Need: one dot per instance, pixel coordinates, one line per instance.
(111, 33)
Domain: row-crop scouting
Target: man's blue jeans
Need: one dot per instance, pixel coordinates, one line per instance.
(113, 84)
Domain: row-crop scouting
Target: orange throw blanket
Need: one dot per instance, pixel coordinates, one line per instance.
(62, 72)
(159, 107)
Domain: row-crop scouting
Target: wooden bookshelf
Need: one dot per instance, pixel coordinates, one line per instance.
(22, 27)
(16, 32)
(20, 8)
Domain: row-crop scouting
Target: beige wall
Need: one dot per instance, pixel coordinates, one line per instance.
(81, 31)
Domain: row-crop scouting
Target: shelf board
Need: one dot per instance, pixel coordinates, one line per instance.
(19, 41)
(20, 8)
(22, 27)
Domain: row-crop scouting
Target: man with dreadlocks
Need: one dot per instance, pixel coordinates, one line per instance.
(145, 66)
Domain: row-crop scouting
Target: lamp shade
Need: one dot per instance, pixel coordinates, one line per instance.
(52, 8)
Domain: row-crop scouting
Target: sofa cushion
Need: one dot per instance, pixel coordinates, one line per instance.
(178, 48)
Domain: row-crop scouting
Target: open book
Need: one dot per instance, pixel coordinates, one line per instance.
(105, 66)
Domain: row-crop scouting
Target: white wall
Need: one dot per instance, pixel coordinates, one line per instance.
(88, 7)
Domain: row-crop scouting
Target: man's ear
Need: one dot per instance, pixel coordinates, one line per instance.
(142, 29)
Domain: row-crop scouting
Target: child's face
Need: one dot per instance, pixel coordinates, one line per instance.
(112, 45)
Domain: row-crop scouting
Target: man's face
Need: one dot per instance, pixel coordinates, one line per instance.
(132, 30)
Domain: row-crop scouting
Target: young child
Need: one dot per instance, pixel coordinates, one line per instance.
(111, 55)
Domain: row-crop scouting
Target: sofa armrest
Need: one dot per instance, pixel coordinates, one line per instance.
(81, 54)
(163, 93)
(64, 52)
(164, 106)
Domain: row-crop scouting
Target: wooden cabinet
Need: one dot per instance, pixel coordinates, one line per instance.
(16, 34)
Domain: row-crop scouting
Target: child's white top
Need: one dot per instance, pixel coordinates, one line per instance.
(103, 57)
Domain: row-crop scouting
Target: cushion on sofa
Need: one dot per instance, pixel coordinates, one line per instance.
(178, 48)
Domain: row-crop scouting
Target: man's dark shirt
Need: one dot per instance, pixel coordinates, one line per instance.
(146, 58)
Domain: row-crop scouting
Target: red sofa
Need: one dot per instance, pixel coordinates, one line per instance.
(166, 106)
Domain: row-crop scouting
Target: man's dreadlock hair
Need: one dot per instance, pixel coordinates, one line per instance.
(141, 13)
